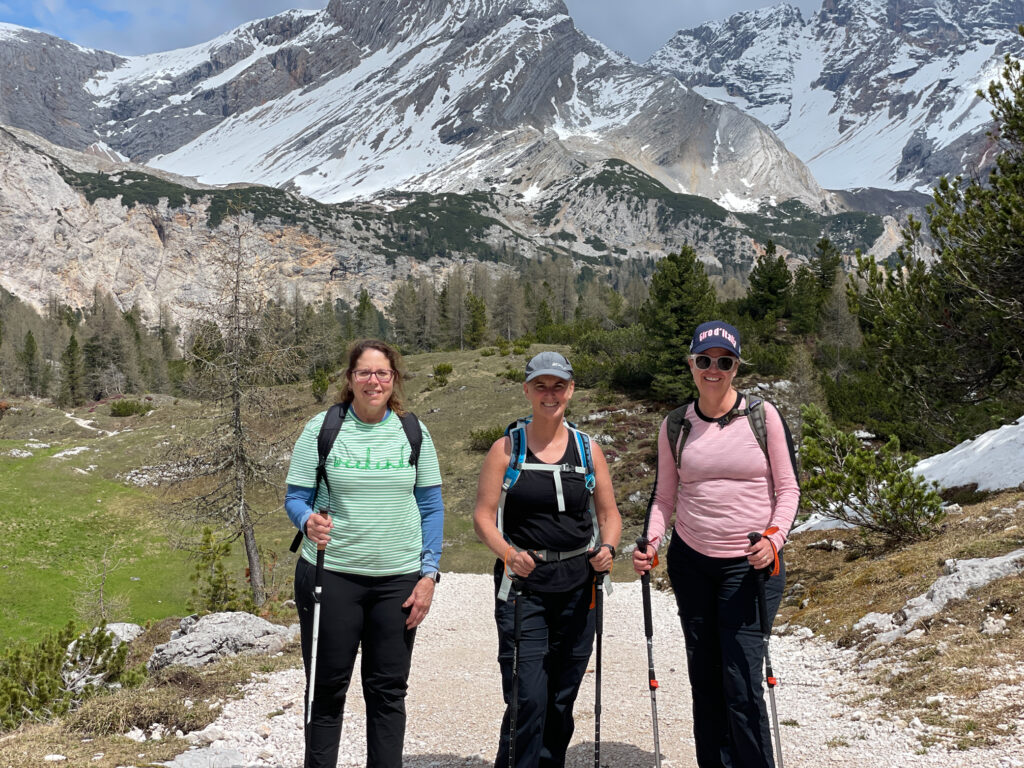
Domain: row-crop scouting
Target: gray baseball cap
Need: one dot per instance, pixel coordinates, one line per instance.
(548, 363)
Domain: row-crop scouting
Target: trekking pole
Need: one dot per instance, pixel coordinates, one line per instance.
(318, 585)
(599, 621)
(652, 681)
(762, 607)
(517, 634)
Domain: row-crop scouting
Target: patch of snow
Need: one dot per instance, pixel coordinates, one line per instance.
(994, 460)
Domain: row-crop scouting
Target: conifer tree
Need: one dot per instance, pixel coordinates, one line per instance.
(769, 285)
(681, 297)
(31, 365)
(71, 392)
(476, 329)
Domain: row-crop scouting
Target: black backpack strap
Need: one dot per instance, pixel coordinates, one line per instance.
(329, 429)
(414, 434)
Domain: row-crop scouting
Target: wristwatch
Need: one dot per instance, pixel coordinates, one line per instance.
(610, 549)
(434, 576)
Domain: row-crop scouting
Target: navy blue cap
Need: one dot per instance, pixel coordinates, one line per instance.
(715, 334)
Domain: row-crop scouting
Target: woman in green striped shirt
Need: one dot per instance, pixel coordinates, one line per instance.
(381, 521)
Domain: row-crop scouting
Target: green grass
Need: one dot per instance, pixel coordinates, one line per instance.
(56, 523)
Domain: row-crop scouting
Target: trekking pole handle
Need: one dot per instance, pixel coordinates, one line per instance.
(762, 604)
(645, 581)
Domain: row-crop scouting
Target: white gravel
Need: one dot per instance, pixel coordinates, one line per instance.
(455, 707)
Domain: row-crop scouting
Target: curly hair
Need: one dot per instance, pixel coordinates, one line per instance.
(355, 352)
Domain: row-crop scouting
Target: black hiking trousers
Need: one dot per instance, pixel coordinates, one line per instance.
(717, 600)
(356, 610)
(557, 638)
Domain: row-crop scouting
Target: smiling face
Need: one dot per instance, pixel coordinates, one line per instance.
(370, 398)
(549, 396)
(711, 382)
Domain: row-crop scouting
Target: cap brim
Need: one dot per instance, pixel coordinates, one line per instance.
(550, 372)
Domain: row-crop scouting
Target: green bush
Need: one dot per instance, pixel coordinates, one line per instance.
(520, 347)
(874, 490)
(513, 374)
(214, 588)
(482, 439)
(129, 408)
(47, 680)
(320, 385)
(441, 373)
(488, 352)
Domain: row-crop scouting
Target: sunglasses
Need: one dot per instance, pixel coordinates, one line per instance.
(725, 363)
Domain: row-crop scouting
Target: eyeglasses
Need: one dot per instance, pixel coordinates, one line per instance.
(364, 374)
(725, 363)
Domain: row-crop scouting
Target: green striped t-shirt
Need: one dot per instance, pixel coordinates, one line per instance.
(376, 520)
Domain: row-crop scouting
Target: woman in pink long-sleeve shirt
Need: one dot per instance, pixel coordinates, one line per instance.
(723, 488)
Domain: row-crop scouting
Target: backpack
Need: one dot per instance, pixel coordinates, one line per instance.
(516, 432)
(677, 429)
(329, 430)
(677, 424)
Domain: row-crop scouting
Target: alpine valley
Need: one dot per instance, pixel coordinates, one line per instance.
(380, 139)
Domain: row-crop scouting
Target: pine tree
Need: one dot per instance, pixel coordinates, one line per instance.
(71, 391)
(681, 297)
(873, 490)
(476, 329)
(769, 285)
(31, 365)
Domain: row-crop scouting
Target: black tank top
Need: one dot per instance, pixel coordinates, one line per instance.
(532, 521)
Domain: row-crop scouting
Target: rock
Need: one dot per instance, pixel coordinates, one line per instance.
(55, 758)
(993, 626)
(213, 637)
(221, 757)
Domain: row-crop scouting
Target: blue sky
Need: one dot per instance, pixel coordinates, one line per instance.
(634, 27)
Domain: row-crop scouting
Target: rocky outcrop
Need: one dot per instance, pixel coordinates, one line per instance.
(203, 640)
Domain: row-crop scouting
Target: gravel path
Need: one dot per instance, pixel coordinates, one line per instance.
(455, 707)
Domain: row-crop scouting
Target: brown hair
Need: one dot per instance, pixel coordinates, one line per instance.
(355, 352)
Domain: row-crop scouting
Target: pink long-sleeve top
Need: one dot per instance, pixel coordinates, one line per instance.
(724, 487)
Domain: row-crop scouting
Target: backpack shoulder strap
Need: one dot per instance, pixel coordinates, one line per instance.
(414, 434)
(757, 421)
(677, 427)
(585, 453)
(516, 433)
(329, 429)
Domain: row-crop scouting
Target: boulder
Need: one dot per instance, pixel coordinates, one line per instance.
(213, 637)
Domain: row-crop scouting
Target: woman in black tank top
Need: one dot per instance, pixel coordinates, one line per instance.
(550, 534)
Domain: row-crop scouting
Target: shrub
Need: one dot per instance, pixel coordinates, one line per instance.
(520, 347)
(129, 408)
(49, 679)
(441, 373)
(488, 352)
(873, 490)
(513, 374)
(482, 439)
(320, 385)
(214, 588)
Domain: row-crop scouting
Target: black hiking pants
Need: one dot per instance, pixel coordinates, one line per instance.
(717, 600)
(356, 610)
(557, 639)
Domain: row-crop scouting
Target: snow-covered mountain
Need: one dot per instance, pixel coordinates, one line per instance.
(371, 95)
(868, 93)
